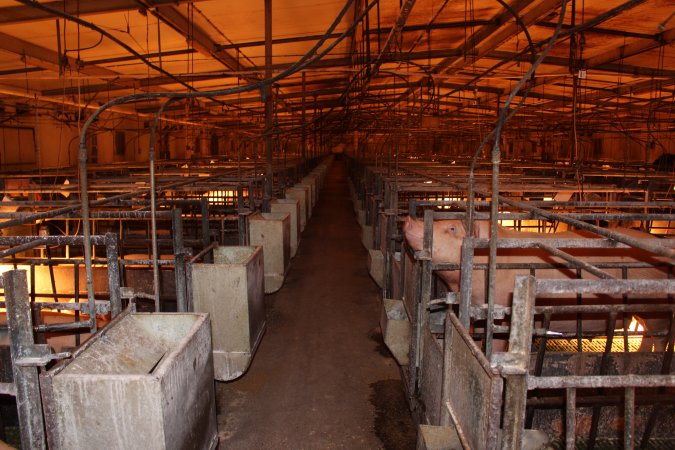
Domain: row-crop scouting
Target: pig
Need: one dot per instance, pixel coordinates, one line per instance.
(447, 240)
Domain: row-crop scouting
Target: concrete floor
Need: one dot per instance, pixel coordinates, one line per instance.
(322, 378)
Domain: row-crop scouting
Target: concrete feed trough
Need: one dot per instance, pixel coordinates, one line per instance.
(291, 207)
(231, 291)
(302, 196)
(145, 381)
(273, 232)
(311, 186)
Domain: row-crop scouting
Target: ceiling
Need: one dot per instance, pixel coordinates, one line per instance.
(426, 65)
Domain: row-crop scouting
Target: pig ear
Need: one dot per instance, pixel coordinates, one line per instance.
(476, 229)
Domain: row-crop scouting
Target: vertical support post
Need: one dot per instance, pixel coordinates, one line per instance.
(26, 380)
(629, 418)
(179, 261)
(76, 284)
(269, 109)
(114, 274)
(445, 419)
(422, 313)
(571, 419)
(206, 239)
(304, 128)
(519, 350)
(466, 274)
(389, 246)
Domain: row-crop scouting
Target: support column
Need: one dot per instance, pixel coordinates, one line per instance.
(269, 110)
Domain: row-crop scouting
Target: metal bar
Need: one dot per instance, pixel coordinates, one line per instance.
(608, 400)
(269, 109)
(598, 381)
(590, 309)
(597, 409)
(20, 248)
(538, 266)
(519, 352)
(576, 261)
(629, 419)
(665, 369)
(52, 280)
(61, 327)
(206, 239)
(566, 243)
(422, 301)
(205, 251)
(465, 279)
(113, 274)
(641, 286)
(539, 365)
(570, 418)
(76, 288)
(26, 379)
(50, 240)
(179, 261)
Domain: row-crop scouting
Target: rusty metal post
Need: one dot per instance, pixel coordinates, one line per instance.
(179, 261)
(391, 207)
(465, 279)
(424, 298)
(304, 127)
(629, 418)
(571, 418)
(515, 372)
(113, 274)
(269, 109)
(26, 378)
(206, 239)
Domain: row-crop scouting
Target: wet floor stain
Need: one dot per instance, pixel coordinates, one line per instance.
(228, 420)
(394, 425)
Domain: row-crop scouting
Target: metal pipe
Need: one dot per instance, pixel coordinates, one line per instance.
(576, 261)
(179, 263)
(206, 250)
(570, 418)
(113, 273)
(599, 381)
(269, 109)
(153, 203)
(20, 248)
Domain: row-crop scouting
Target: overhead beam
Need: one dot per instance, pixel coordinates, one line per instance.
(48, 59)
(489, 37)
(624, 69)
(198, 38)
(23, 13)
(630, 49)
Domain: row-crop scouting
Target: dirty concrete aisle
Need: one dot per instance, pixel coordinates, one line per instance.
(322, 378)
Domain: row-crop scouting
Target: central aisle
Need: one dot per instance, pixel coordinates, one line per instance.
(322, 378)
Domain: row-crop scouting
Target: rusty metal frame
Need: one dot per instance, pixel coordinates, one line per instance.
(515, 362)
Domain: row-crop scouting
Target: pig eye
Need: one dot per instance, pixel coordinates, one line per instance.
(452, 228)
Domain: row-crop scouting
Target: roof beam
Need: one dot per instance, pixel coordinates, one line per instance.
(631, 49)
(23, 13)
(500, 27)
(558, 61)
(198, 38)
(48, 59)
